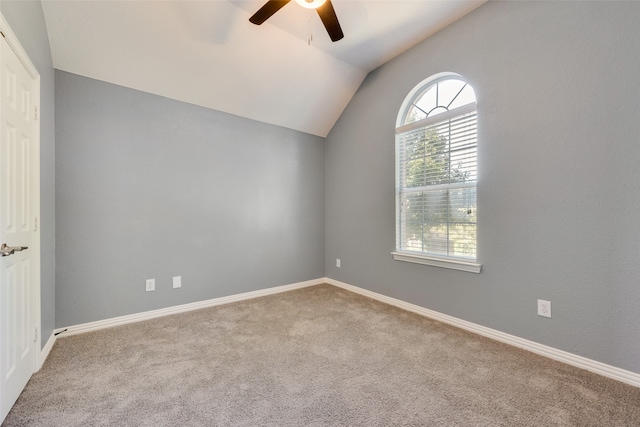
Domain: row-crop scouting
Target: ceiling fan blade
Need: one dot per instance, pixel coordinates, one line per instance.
(265, 12)
(330, 20)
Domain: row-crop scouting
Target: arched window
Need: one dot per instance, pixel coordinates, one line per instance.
(436, 174)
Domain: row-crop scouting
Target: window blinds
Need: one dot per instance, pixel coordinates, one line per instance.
(436, 178)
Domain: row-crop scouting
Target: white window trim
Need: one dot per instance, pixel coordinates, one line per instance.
(442, 117)
(451, 263)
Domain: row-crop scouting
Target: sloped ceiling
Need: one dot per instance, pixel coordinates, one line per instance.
(208, 53)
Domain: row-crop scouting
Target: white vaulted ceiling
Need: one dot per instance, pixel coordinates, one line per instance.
(208, 53)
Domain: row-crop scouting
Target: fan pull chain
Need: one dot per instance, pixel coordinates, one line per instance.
(310, 34)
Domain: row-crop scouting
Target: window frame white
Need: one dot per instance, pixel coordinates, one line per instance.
(451, 262)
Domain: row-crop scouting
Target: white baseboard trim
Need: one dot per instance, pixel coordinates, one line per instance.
(44, 352)
(139, 317)
(603, 369)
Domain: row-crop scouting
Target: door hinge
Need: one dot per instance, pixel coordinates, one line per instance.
(35, 112)
(35, 223)
(35, 338)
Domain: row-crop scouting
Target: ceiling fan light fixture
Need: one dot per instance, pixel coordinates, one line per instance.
(311, 4)
(324, 8)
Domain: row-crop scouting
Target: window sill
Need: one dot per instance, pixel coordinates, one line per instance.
(468, 266)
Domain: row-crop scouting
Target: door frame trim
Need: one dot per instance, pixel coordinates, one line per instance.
(22, 55)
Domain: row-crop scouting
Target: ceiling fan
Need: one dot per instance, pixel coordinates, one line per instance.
(324, 8)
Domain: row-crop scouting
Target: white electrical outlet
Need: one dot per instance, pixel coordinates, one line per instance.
(177, 282)
(544, 308)
(151, 285)
(338, 262)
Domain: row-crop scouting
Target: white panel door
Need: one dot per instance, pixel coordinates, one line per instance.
(17, 226)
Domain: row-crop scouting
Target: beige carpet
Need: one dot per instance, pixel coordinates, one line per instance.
(318, 356)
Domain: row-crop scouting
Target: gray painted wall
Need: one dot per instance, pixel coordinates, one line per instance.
(558, 193)
(149, 187)
(26, 19)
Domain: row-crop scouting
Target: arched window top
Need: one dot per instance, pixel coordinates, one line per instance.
(436, 95)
